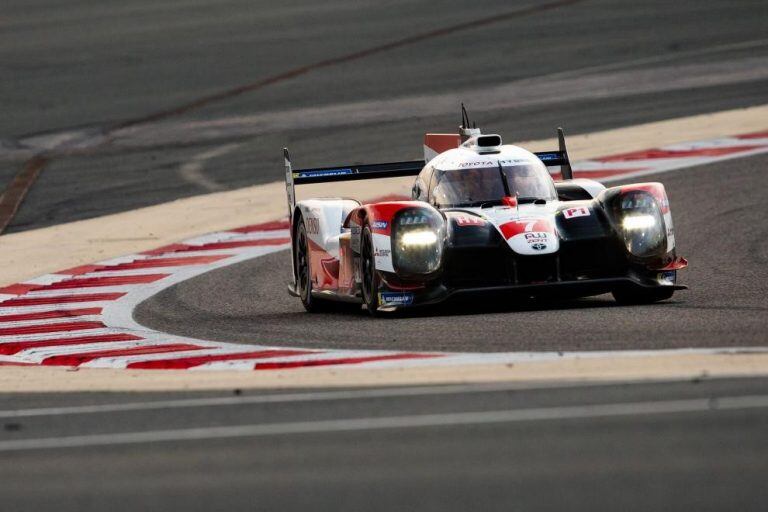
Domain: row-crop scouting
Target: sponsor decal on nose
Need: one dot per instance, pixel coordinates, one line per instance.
(379, 224)
(581, 211)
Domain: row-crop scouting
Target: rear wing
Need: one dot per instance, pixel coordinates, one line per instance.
(433, 143)
(343, 173)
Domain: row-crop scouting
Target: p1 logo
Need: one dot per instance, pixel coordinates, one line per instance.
(580, 211)
(469, 220)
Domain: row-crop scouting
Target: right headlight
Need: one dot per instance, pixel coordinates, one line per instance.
(417, 241)
(642, 224)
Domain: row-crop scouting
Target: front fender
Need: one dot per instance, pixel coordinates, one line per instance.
(612, 201)
(379, 218)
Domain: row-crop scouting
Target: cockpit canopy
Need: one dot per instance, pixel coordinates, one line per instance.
(488, 185)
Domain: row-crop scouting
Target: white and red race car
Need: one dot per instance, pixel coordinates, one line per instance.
(484, 218)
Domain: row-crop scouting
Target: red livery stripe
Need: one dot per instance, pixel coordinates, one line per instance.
(189, 362)
(44, 315)
(17, 346)
(385, 212)
(277, 365)
(516, 227)
(46, 328)
(39, 301)
(78, 359)
(441, 142)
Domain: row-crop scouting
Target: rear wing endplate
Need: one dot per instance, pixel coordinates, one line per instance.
(558, 158)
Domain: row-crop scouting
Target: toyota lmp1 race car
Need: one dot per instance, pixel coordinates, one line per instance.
(484, 217)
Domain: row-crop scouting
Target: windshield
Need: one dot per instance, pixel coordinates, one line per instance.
(476, 187)
(530, 181)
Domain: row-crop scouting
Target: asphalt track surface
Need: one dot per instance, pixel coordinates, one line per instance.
(720, 224)
(666, 446)
(87, 69)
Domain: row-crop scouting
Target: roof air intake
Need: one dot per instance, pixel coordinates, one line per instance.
(488, 141)
(484, 144)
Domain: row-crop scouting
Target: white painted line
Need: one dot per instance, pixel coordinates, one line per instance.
(38, 354)
(47, 279)
(395, 422)
(41, 308)
(321, 396)
(139, 271)
(57, 335)
(69, 292)
(49, 321)
(265, 235)
(219, 236)
(320, 355)
(124, 361)
(130, 258)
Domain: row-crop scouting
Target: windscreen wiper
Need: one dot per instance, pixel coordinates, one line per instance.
(528, 200)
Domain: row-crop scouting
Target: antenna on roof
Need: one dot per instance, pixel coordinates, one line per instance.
(464, 130)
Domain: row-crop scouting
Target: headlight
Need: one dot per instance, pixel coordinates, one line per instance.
(642, 224)
(638, 222)
(424, 237)
(417, 241)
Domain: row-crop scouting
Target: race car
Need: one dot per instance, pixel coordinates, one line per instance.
(483, 218)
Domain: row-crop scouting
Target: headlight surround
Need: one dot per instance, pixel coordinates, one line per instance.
(641, 224)
(417, 241)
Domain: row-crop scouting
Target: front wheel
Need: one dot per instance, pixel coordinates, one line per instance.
(368, 274)
(642, 296)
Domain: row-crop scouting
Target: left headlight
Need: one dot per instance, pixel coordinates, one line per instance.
(417, 241)
(642, 224)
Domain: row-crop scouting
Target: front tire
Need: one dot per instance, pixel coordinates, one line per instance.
(369, 276)
(642, 296)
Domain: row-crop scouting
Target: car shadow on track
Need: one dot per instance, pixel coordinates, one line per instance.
(485, 306)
